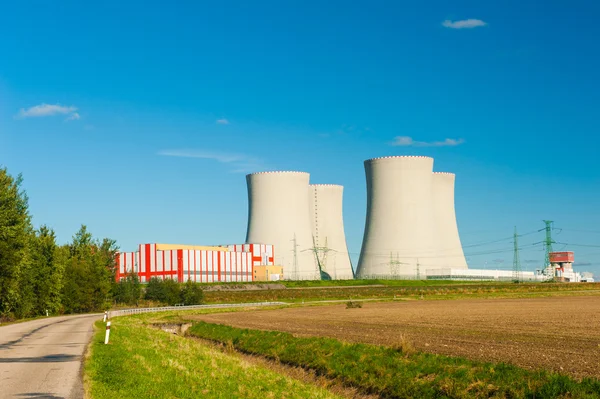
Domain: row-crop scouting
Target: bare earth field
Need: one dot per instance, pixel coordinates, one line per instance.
(560, 333)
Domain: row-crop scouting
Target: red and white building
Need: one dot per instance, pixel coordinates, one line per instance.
(262, 254)
(232, 264)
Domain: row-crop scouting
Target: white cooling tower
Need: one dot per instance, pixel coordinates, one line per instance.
(327, 222)
(449, 252)
(399, 230)
(278, 214)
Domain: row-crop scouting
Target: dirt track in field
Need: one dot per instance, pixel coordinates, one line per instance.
(560, 333)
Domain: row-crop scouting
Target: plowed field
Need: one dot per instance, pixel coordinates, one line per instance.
(561, 333)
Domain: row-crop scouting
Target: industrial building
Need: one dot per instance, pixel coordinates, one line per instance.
(327, 223)
(561, 267)
(267, 273)
(232, 263)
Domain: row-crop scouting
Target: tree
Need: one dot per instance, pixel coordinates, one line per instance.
(155, 290)
(191, 294)
(48, 266)
(166, 291)
(128, 290)
(87, 283)
(172, 292)
(15, 233)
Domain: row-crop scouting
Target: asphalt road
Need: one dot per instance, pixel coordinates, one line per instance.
(43, 358)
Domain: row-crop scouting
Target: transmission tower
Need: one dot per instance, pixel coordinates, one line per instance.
(548, 248)
(295, 257)
(395, 264)
(516, 260)
(321, 261)
(418, 270)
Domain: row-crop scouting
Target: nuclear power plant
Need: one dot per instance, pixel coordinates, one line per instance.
(295, 231)
(327, 224)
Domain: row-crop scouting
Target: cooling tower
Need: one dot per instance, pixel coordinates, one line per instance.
(399, 229)
(327, 222)
(278, 214)
(449, 253)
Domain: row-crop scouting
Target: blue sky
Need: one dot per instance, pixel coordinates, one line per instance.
(96, 101)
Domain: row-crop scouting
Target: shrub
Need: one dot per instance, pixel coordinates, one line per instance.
(353, 304)
(404, 346)
(191, 294)
(155, 290)
(172, 292)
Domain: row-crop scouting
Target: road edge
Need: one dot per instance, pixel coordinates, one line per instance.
(85, 384)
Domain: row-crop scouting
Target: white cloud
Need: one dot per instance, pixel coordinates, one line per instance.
(239, 163)
(222, 121)
(47, 110)
(73, 117)
(406, 141)
(463, 24)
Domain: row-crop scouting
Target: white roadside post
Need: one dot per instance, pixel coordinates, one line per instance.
(105, 316)
(107, 333)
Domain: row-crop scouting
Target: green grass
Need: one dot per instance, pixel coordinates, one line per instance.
(400, 372)
(143, 362)
(404, 289)
(392, 283)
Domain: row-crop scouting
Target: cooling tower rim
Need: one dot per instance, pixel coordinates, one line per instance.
(444, 173)
(280, 172)
(326, 185)
(400, 156)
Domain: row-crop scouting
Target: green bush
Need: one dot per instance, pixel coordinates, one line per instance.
(128, 291)
(155, 290)
(353, 304)
(170, 292)
(191, 294)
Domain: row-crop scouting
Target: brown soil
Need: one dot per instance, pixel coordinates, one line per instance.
(560, 333)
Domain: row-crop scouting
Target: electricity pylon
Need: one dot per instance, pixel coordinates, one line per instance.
(549, 271)
(321, 262)
(517, 277)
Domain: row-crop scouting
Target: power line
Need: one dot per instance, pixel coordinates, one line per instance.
(481, 243)
(583, 231)
(579, 245)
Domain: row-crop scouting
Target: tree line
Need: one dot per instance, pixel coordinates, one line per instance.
(38, 276)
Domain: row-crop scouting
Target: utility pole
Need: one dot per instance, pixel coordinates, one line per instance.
(516, 260)
(548, 248)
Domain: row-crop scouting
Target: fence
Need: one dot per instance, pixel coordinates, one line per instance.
(128, 312)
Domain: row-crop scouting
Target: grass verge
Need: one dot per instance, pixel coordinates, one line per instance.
(399, 372)
(143, 362)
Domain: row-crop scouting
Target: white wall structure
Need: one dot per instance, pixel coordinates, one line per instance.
(448, 273)
(449, 249)
(327, 222)
(399, 229)
(278, 215)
